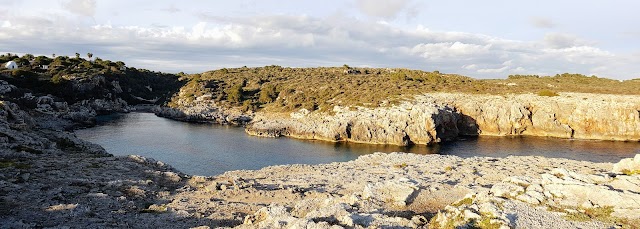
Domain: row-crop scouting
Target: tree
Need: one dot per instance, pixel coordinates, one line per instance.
(77, 55)
(89, 55)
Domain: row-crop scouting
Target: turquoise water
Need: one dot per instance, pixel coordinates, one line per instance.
(206, 149)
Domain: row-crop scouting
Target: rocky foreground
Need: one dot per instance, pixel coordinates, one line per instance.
(52, 179)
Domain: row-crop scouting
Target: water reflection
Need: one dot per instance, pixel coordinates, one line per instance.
(205, 149)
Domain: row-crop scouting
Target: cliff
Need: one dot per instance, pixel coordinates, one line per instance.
(443, 116)
(204, 111)
(419, 122)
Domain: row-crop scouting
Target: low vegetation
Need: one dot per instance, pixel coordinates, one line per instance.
(548, 93)
(279, 88)
(61, 76)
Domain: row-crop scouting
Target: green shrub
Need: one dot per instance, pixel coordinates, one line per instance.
(247, 105)
(548, 93)
(234, 94)
(283, 89)
(268, 94)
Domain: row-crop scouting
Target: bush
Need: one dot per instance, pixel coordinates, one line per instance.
(548, 93)
(247, 105)
(283, 89)
(234, 94)
(268, 94)
(310, 106)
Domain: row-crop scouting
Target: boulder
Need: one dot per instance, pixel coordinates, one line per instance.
(630, 166)
(5, 87)
(397, 192)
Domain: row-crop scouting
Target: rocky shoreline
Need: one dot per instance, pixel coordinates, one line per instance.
(52, 179)
(432, 118)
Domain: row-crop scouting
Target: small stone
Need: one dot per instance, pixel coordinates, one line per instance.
(527, 199)
(506, 190)
(471, 215)
(25, 176)
(213, 186)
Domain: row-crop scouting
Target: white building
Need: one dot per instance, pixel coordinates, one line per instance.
(11, 65)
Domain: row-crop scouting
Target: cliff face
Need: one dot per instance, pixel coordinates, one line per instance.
(440, 117)
(571, 115)
(419, 122)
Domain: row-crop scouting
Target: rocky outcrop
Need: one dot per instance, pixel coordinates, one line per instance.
(106, 106)
(205, 112)
(5, 87)
(419, 122)
(570, 115)
(439, 117)
(51, 112)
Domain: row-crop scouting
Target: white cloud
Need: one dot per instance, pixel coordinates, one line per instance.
(81, 7)
(470, 66)
(493, 70)
(543, 23)
(560, 40)
(449, 50)
(383, 8)
(505, 66)
(171, 9)
(299, 41)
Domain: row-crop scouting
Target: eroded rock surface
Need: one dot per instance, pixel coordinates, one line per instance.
(439, 117)
(607, 198)
(205, 113)
(409, 123)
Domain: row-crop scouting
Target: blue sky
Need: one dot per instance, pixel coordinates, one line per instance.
(482, 39)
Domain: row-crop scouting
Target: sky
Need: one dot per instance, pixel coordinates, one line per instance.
(481, 39)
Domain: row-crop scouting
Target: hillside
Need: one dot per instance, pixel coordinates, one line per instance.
(77, 79)
(276, 88)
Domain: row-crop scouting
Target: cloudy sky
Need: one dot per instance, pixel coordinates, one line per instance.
(482, 39)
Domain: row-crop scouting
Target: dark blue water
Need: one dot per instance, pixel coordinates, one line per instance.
(206, 149)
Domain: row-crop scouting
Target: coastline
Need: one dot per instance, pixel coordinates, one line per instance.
(52, 178)
(437, 117)
(85, 187)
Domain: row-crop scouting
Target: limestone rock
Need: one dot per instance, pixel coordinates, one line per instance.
(628, 166)
(420, 122)
(507, 190)
(398, 192)
(5, 87)
(439, 117)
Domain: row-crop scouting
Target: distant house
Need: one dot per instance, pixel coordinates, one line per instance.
(11, 65)
(44, 67)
